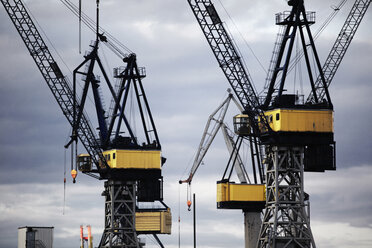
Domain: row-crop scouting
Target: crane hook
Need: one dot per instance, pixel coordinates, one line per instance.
(73, 175)
(189, 196)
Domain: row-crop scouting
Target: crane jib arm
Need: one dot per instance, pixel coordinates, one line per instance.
(340, 47)
(225, 52)
(52, 74)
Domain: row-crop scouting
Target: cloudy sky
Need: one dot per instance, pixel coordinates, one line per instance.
(184, 85)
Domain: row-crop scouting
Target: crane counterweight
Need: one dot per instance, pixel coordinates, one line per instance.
(247, 197)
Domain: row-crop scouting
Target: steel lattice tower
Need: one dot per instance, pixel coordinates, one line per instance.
(286, 222)
(120, 204)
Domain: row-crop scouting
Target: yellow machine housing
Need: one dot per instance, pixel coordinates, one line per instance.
(133, 159)
(158, 222)
(250, 197)
(310, 128)
(130, 164)
(300, 120)
(297, 126)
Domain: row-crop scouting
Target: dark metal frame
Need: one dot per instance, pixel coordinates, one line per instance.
(295, 21)
(132, 77)
(286, 222)
(256, 160)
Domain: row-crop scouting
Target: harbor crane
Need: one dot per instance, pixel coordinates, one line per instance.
(131, 168)
(297, 136)
(251, 206)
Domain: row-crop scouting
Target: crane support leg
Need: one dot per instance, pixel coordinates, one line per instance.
(120, 204)
(286, 222)
(252, 223)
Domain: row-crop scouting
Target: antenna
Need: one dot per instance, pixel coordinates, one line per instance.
(79, 26)
(97, 22)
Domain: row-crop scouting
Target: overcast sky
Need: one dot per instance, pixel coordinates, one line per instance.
(184, 85)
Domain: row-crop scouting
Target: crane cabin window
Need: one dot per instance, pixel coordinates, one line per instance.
(241, 124)
(84, 162)
(269, 118)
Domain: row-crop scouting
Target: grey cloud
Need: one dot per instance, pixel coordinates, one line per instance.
(184, 83)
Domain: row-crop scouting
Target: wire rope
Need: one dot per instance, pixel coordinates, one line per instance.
(64, 182)
(102, 51)
(179, 215)
(319, 31)
(46, 36)
(241, 35)
(298, 57)
(112, 42)
(55, 51)
(295, 69)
